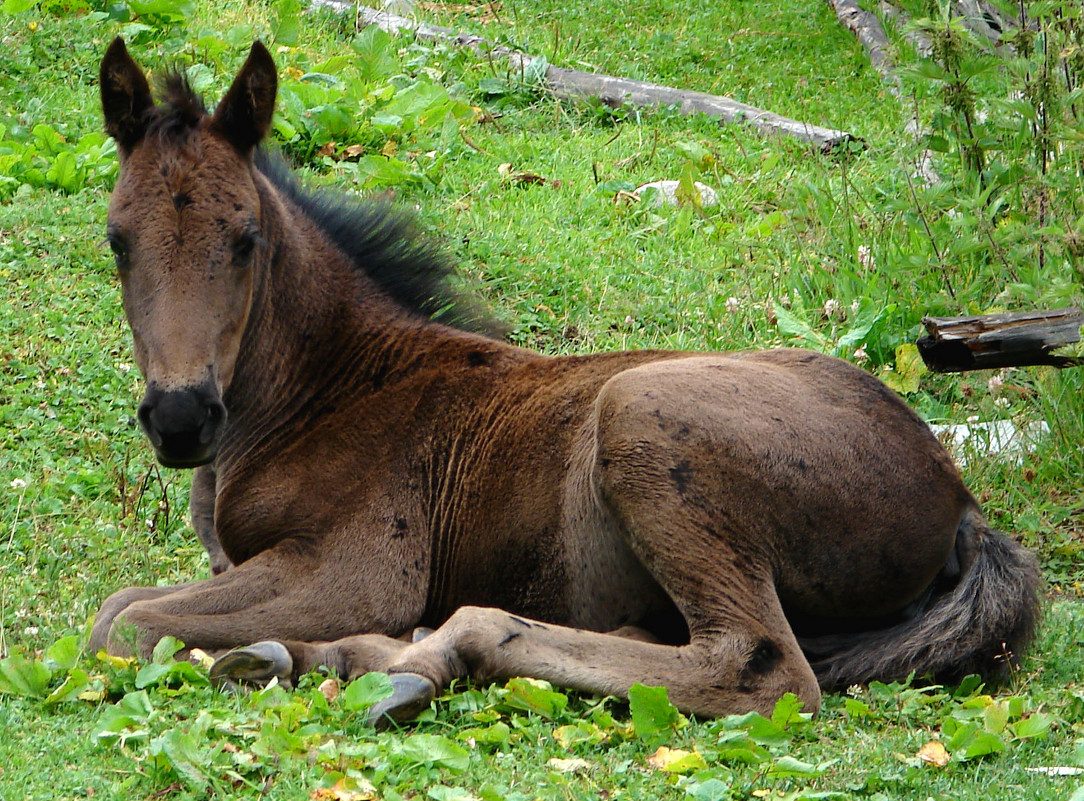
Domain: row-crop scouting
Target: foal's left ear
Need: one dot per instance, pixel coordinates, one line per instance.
(244, 115)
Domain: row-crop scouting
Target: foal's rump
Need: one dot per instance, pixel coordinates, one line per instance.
(841, 491)
(800, 471)
(978, 624)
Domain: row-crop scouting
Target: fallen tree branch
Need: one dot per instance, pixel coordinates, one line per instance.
(867, 29)
(918, 40)
(614, 92)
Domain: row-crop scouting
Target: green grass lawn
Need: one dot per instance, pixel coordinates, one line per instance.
(844, 253)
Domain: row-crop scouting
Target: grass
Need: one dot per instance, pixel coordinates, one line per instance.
(84, 510)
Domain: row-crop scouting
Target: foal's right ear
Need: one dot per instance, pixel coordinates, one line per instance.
(126, 96)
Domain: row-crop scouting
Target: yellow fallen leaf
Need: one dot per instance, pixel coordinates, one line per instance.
(934, 753)
(200, 657)
(118, 662)
(345, 789)
(676, 760)
(568, 765)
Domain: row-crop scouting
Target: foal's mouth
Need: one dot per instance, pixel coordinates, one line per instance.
(188, 460)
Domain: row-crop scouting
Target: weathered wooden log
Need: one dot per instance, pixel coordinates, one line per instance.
(957, 344)
(871, 35)
(899, 18)
(614, 92)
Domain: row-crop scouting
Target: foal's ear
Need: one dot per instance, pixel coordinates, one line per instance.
(126, 96)
(244, 115)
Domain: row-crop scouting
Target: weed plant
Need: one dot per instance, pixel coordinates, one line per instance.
(843, 253)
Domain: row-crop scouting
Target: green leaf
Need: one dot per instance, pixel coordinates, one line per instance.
(789, 766)
(856, 709)
(577, 733)
(710, 790)
(65, 172)
(376, 54)
(493, 734)
(1033, 726)
(791, 324)
(536, 696)
(967, 741)
(788, 711)
(200, 77)
(17, 6)
(907, 377)
(433, 750)
(366, 690)
(21, 675)
(494, 86)
(653, 716)
(74, 683)
(164, 650)
(63, 654)
(760, 730)
(868, 316)
(441, 792)
(125, 720)
(995, 717)
(174, 673)
(182, 752)
(534, 74)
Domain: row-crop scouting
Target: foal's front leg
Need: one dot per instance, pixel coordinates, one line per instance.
(201, 509)
(280, 594)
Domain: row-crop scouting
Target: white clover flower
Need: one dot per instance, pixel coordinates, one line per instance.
(18, 483)
(860, 355)
(995, 384)
(31, 631)
(733, 305)
(832, 308)
(865, 257)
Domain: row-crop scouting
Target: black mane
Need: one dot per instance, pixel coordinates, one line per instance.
(384, 243)
(380, 241)
(180, 110)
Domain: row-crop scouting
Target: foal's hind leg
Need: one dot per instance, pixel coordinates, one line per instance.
(714, 675)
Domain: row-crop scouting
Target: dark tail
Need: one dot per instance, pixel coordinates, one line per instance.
(981, 625)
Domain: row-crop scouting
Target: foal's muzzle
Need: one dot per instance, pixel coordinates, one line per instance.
(183, 425)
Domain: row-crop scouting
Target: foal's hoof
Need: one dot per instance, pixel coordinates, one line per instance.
(413, 695)
(253, 664)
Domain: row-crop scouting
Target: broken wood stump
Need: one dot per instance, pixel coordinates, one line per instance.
(990, 341)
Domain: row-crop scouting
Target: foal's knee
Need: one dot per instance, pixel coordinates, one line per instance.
(110, 613)
(750, 674)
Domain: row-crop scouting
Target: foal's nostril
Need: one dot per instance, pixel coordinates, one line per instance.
(146, 410)
(216, 416)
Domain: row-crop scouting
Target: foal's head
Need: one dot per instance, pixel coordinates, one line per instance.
(184, 225)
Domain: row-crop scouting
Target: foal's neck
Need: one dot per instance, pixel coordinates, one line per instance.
(319, 329)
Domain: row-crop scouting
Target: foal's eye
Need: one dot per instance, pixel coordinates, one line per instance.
(119, 248)
(244, 247)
